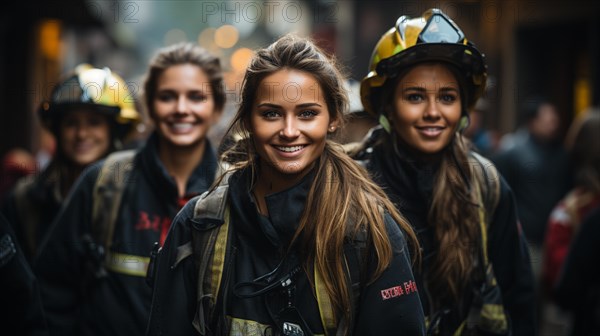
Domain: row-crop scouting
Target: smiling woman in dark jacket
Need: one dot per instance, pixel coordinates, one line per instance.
(92, 271)
(475, 277)
(296, 208)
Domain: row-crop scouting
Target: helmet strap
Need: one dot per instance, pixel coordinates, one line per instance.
(463, 123)
(117, 143)
(385, 123)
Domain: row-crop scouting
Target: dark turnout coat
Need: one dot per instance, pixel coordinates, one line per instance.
(409, 184)
(388, 306)
(78, 299)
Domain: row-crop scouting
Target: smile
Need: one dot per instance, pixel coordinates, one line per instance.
(181, 127)
(430, 131)
(289, 149)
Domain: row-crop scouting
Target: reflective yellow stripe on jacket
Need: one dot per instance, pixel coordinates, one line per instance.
(127, 264)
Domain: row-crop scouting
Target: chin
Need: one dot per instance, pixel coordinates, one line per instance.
(295, 169)
(84, 162)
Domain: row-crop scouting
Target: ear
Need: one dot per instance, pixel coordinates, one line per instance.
(333, 125)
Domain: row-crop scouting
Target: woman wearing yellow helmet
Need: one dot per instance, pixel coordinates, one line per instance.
(93, 266)
(89, 113)
(475, 276)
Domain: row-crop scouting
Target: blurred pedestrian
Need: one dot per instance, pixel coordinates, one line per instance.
(93, 265)
(475, 277)
(583, 143)
(578, 288)
(305, 243)
(89, 113)
(538, 172)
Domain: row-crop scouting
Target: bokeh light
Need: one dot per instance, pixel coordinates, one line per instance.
(240, 59)
(226, 36)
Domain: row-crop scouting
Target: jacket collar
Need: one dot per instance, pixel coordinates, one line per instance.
(408, 182)
(285, 209)
(200, 180)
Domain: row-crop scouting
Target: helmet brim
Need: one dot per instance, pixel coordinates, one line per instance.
(51, 111)
(466, 57)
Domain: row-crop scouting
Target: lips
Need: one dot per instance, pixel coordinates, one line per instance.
(430, 131)
(84, 147)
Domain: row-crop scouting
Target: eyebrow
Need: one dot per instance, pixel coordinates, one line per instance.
(304, 105)
(422, 89)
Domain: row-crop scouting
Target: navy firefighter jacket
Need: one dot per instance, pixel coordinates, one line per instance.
(388, 306)
(410, 186)
(80, 300)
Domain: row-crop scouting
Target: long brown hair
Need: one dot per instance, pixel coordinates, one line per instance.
(453, 213)
(455, 220)
(342, 199)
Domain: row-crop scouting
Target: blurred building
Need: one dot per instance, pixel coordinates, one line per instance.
(538, 47)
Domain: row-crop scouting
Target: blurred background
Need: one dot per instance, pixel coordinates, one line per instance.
(547, 48)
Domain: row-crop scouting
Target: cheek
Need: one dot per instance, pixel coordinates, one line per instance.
(260, 136)
(103, 133)
(67, 134)
(158, 110)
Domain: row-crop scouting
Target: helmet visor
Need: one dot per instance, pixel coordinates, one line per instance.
(440, 29)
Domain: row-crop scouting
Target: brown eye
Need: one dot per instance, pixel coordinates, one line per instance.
(413, 97)
(448, 98)
(198, 97)
(307, 114)
(270, 114)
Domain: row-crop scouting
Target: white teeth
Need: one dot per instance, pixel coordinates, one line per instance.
(289, 149)
(182, 127)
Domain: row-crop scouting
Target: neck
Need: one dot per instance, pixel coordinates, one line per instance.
(270, 181)
(401, 149)
(180, 162)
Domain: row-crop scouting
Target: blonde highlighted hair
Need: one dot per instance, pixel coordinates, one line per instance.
(342, 199)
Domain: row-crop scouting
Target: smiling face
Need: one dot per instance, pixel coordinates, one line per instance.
(426, 108)
(289, 123)
(84, 136)
(183, 107)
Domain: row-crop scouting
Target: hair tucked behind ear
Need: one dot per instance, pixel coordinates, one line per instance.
(342, 199)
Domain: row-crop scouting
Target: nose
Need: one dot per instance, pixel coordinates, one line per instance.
(432, 109)
(82, 129)
(182, 105)
(290, 128)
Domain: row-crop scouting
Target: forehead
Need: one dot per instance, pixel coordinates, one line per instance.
(182, 75)
(290, 86)
(430, 74)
